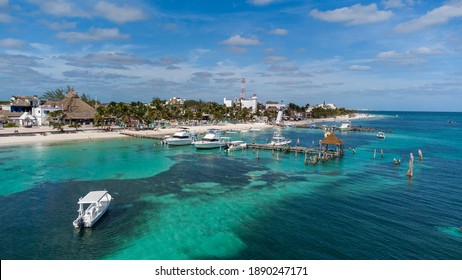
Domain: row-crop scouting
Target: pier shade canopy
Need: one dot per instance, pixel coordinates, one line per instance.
(332, 139)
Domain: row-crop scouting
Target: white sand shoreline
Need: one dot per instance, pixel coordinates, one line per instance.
(45, 135)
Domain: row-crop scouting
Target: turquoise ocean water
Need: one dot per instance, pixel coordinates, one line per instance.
(178, 203)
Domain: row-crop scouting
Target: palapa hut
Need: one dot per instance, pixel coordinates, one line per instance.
(332, 139)
(75, 110)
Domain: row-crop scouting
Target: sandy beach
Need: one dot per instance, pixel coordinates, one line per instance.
(30, 136)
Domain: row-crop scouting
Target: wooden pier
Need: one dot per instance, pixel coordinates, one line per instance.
(296, 149)
(147, 136)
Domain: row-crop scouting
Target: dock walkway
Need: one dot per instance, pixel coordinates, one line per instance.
(296, 149)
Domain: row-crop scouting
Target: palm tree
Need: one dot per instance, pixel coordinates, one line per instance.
(56, 119)
(101, 117)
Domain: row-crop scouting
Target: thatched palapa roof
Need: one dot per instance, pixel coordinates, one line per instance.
(76, 109)
(332, 139)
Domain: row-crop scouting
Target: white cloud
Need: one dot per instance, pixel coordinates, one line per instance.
(5, 18)
(119, 14)
(60, 25)
(11, 43)
(354, 15)
(360, 68)
(261, 2)
(237, 50)
(93, 34)
(237, 40)
(274, 59)
(3, 3)
(279, 31)
(438, 16)
(410, 57)
(392, 4)
(61, 8)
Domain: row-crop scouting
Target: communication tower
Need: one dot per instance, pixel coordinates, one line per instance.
(243, 88)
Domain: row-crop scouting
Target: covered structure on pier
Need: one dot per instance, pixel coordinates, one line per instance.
(332, 140)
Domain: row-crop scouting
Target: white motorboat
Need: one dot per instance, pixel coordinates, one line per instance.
(98, 202)
(210, 141)
(380, 135)
(236, 145)
(345, 127)
(279, 140)
(182, 137)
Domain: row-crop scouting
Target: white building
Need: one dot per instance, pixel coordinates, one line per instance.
(243, 103)
(175, 101)
(275, 106)
(41, 113)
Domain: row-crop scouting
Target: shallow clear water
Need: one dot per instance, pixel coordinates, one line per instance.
(178, 203)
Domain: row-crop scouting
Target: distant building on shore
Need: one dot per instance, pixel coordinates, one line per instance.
(243, 103)
(21, 104)
(175, 101)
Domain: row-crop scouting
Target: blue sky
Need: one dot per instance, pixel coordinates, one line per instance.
(379, 55)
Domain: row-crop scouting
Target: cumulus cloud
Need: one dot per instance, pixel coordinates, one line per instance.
(5, 18)
(86, 75)
(410, 57)
(279, 31)
(93, 34)
(354, 15)
(11, 43)
(119, 14)
(438, 16)
(107, 59)
(261, 2)
(60, 25)
(274, 59)
(61, 8)
(237, 40)
(388, 4)
(359, 68)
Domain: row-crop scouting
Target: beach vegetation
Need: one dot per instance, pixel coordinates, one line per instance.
(56, 95)
(75, 125)
(320, 112)
(10, 124)
(56, 119)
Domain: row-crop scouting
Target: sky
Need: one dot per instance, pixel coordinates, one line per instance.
(376, 55)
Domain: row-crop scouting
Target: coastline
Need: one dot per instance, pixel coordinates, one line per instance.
(47, 135)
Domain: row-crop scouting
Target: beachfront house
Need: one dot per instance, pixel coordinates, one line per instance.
(41, 112)
(21, 104)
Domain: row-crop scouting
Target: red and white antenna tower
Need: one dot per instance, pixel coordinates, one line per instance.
(243, 88)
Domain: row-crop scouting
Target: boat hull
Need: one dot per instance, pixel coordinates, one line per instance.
(181, 142)
(93, 214)
(205, 145)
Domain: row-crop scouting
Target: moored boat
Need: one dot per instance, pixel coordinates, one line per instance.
(98, 202)
(236, 145)
(345, 127)
(279, 140)
(210, 141)
(380, 135)
(183, 137)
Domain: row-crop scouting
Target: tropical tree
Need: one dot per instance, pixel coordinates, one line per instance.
(55, 95)
(56, 120)
(102, 116)
(75, 125)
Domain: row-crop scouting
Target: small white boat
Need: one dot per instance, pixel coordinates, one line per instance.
(183, 137)
(236, 145)
(345, 127)
(210, 141)
(98, 202)
(232, 131)
(380, 135)
(279, 140)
